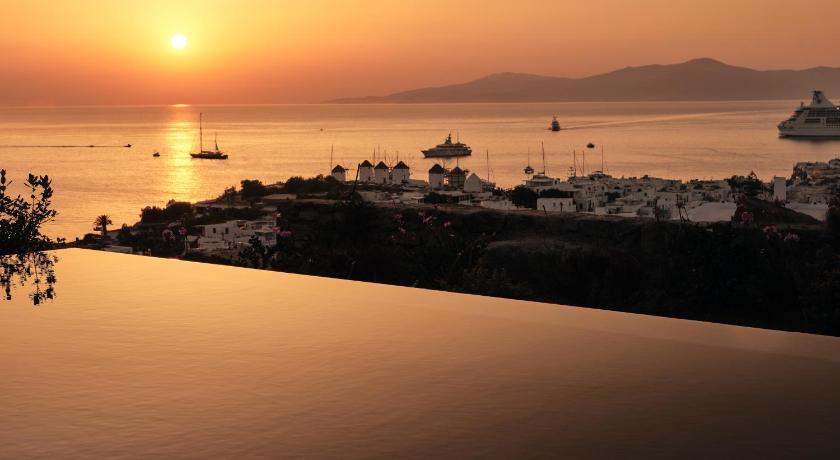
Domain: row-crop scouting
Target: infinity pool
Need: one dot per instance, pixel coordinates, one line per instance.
(139, 357)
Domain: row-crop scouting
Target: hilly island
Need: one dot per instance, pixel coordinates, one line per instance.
(696, 80)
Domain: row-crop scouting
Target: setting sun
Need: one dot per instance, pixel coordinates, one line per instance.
(179, 42)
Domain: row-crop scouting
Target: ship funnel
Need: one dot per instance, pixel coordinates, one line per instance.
(819, 100)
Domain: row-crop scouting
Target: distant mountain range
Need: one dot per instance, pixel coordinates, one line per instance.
(698, 79)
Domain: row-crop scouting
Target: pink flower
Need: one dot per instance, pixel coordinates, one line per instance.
(285, 234)
(182, 231)
(275, 230)
(792, 237)
(771, 232)
(747, 218)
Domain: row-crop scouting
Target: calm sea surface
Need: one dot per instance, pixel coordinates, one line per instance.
(683, 140)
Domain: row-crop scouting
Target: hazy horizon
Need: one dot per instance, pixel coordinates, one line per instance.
(75, 52)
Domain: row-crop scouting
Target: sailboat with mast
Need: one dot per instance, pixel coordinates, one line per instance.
(207, 154)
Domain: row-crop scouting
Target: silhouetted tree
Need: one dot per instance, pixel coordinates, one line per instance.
(252, 189)
(21, 218)
(749, 185)
(524, 197)
(101, 223)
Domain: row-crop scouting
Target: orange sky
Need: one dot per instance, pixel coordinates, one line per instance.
(273, 51)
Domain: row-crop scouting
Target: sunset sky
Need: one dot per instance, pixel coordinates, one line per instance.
(274, 51)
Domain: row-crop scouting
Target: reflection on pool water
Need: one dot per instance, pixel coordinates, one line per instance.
(34, 270)
(148, 358)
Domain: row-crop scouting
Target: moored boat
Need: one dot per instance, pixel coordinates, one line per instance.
(207, 154)
(820, 118)
(448, 149)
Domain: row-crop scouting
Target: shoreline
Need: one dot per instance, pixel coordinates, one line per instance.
(765, 272)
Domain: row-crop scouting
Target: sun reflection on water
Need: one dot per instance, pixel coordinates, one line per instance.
(180, 177)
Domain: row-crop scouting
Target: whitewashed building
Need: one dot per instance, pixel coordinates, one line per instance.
(339, 173)
(556, 204)
(473, 184)
(225, 231)
(456, 178)
(401, 173)
(366, 171)
(780, 189)
(436, 177)
(381, 173)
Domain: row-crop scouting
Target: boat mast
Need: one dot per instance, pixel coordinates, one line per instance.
(200, 134)
(574, 162)
(602, 157)
(545, 170)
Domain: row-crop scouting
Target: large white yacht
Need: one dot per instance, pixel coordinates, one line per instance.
(448, 149)
(820, 118)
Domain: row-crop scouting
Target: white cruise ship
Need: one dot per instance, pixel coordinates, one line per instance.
(448, 149)
(820, 118)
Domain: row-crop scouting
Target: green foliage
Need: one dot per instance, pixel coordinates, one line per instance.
(21, 218)
(554, 193)
(726, 273)
(256, 254)
(252, 189)
(612, 196)
(524, 197)
(101, 223)
(217, 216)
(832, 218)
(437, 198)
(749, 185)
(315, 185)
(156, 240)
(172, 212)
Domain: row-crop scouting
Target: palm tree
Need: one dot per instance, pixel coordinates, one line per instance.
(101, 224)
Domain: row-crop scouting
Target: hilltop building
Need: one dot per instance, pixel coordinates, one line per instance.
(456, 178)
(780, 189)
(366, 171)
(381, 173)
(436, 177)
(339, 173)
(473, 184)
(401, 173)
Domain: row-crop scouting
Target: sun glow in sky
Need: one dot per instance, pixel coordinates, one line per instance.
(271, 51)
(179, 41)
